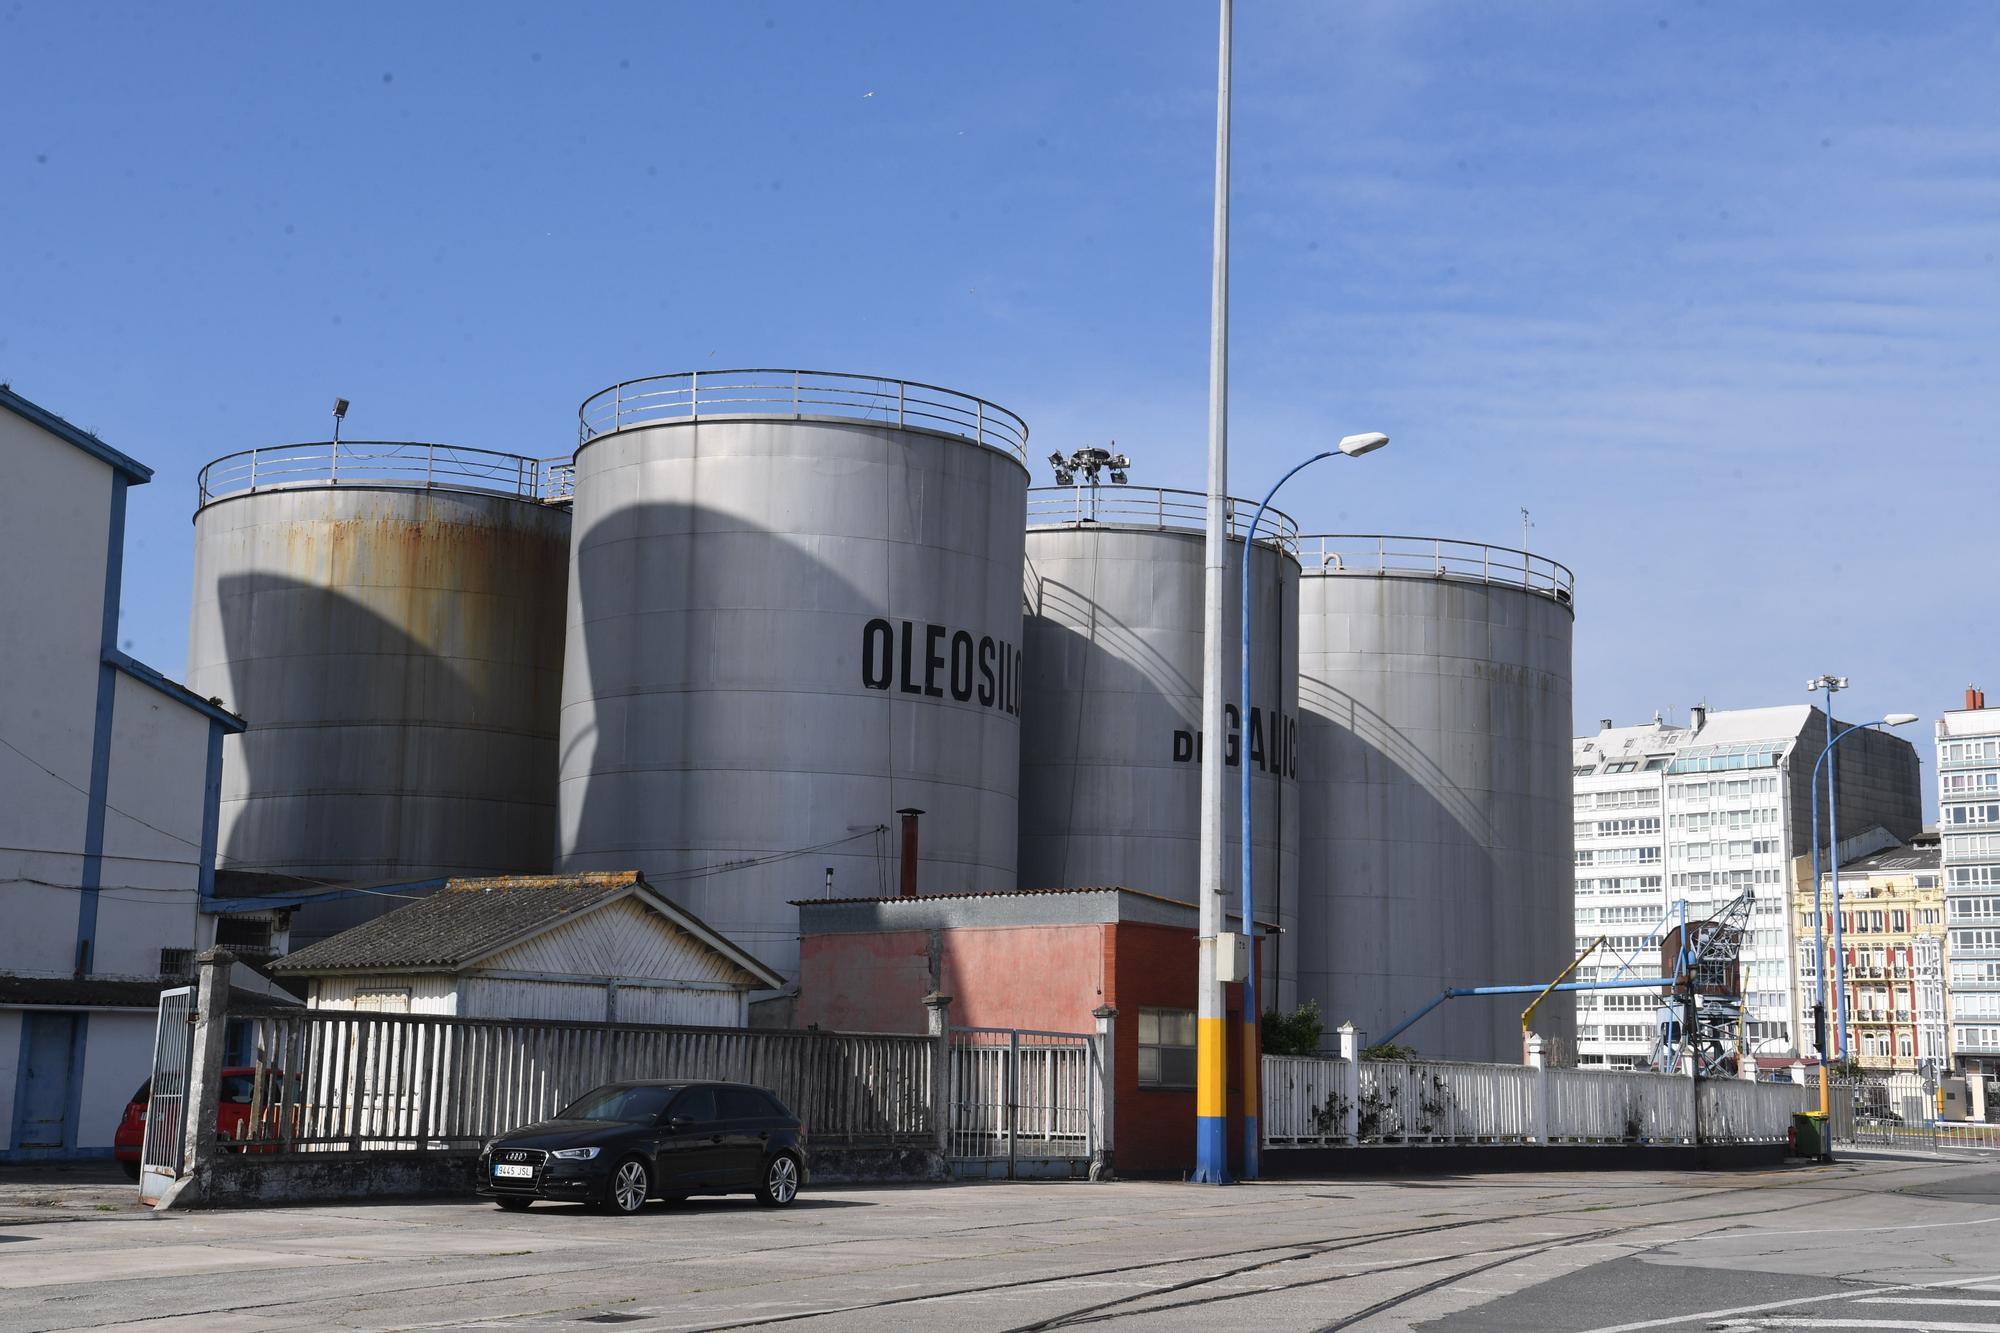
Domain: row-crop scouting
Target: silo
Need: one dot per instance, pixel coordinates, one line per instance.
(388, 618)
(795, 611)
(1434, 699)
(1110, 743)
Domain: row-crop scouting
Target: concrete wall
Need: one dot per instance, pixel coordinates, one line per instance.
(55, 524)
(58, 536)
(874, 982)
(152, 831)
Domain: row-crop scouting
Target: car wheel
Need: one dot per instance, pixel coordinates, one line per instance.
(781, 1182)
(514, 1205)
(628, 1187)
(130, 1168)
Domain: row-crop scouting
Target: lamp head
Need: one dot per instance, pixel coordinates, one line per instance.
(1367, 443)
(339, 407)
(1899, 719)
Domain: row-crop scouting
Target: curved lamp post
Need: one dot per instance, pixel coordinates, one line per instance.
(1353, 446)
(1819, 918)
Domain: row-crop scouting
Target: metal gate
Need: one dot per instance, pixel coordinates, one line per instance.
(1023, 1104)
(162, 1154)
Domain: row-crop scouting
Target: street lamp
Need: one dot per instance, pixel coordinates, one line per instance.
(1819, 918)
(1353, 446)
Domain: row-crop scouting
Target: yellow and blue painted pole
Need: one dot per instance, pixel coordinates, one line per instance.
(1211, 1045)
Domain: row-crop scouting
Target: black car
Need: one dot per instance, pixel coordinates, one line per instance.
(624, 1143)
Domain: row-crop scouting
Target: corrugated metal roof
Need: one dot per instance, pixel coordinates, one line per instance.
(1229, 911)
(991, 893)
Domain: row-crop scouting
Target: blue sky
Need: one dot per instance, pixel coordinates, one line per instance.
(1712, 290)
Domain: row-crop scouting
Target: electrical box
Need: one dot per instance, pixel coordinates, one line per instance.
(1954, 1099)
(1232, 958)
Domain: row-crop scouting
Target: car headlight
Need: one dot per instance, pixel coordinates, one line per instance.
(576, 1154)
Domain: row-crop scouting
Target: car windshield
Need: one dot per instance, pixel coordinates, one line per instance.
(637, 1106)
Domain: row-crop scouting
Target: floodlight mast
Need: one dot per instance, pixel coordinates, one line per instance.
(1089, 463)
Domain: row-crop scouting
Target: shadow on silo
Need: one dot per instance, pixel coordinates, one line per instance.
(643, 706)
(1414, 913)
(1103, 656)
(371, 757)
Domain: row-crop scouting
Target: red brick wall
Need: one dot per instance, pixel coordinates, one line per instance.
(1154, 967)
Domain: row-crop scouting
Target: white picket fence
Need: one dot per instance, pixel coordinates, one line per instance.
(1312, 1101)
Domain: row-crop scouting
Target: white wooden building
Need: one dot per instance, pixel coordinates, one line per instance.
(602, 947)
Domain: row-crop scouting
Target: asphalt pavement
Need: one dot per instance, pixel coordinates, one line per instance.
(1884, 1241)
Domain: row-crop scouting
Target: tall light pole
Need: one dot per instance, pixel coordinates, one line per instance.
(1211, 1104)
(1829, 686)
(1353, 446)
(1819, 919)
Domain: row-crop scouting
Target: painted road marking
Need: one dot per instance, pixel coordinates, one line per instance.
(1718, 1316)
(1815, 1321)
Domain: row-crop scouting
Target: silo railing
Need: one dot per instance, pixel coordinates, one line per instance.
(1380, 556)
(1154, 507)
(799, 394)
(382, 463)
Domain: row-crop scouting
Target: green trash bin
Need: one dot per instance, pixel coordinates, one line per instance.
(1808, 1134)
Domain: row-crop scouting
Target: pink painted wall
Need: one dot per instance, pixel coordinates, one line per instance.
(865, 983)
(1047, 977)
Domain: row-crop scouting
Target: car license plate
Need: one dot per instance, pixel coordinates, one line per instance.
(502, 1169)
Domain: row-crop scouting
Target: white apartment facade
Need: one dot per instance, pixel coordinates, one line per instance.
(1668, 815)
(1968, 769)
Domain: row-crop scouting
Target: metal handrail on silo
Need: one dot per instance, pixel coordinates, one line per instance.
(1153, 507)
(400, 463)
(798, 394)
(1383, 556)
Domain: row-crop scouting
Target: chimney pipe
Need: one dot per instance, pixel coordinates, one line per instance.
(908, 888)
(1975, 697)
(1604, 724)
(1697, 717)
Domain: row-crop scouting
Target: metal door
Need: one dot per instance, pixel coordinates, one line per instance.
(162, 1154)
(41, 1118)
(1023, 1103)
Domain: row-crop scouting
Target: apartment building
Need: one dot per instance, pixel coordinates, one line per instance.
(1669, 815)
(1968, 775)
(1891, 910)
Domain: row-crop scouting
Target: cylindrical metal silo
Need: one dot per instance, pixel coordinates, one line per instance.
(1110, 743)
(1434, 698)
(388, 619)
(795, 610)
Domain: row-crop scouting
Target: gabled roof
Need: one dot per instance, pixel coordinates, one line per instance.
(173, 689)
(472, 919)
(137, 473)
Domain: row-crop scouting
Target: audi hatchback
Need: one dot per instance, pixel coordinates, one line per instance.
(617, 1146)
